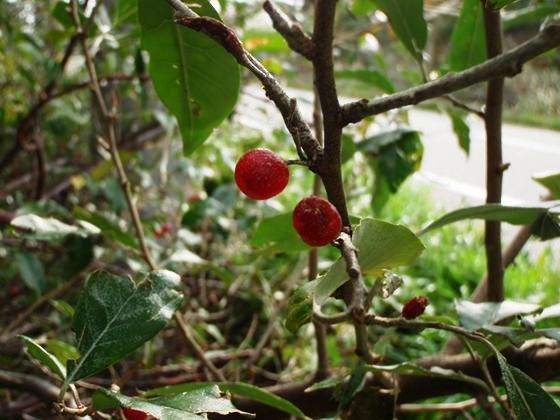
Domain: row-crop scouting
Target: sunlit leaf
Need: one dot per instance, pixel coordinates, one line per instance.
(48, 360)
(477, 315)
(196, 79)
(114, 317)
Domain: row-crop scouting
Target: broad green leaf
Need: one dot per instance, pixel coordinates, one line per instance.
(36, 351)
(107, 228)
(551, 181)
(527, 398)
(362, 7)
(300, 306)
(278, 232)
(474, 316)
(31, 271)
(48, 228)
(530, 15)
(195, 78)
(62, 351)
(235, 388)
(114, 317)
(368, 77)
(468, 41)
(193, 403)
(407, 20)
(126, 12)
(395, 155)
(408, 368)
(509, 214)
(381, 245)
(461, 129)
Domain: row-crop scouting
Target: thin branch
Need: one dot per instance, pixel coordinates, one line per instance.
(109, 119)
(508, 64)
(292, 32)
(494, 160)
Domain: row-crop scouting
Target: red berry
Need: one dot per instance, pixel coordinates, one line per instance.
(414, 307)
(261, 174)
(132, 414)
(163, 230)
(317, 221)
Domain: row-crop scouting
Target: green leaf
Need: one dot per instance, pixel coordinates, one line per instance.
(278, 232)
(195, 78)
(498, 4)
(407, 21)
(264, 41)
(530, 15)
(36, 351)
(551, 181)
(396, 154)
(528, 400)
(62, 351)
(31, 272)
(193, 403)
(548, 312)
(300, 306)
(107, 228)
(114, 317)
(48, 228)
(408, 368)
(474, 316)
(368, 77)
(461, 129)
(126, 12)
(381, 246)
(236, 388)
(509, 214)
(468, 41)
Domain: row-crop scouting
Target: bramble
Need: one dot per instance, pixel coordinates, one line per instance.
(261, 174)
(317, 221)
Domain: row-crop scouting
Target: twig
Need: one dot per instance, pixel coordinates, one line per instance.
(494, 160)
(508, 64)
(292, 32)
(109, 119)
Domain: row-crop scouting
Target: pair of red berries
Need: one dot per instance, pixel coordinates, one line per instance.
(261, 174)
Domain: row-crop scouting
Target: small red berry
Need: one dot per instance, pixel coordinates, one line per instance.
(14, 290)
(132, 414)
(261, 174)
(414, 307)
(163, 230)
(317, 221)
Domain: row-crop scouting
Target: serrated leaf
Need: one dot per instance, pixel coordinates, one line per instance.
(515, 215)
(48, 228)
(367, 77)
(195, 78)
(278, 232)
(31, 272)
(407, 21)
(193, 403)
(527, 398)
(48, 360)
(549, 180)
(381, 245)
(468, 41)
(114, 317)
(461, 129)
(236, 388)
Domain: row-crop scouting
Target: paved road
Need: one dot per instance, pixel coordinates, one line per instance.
(453, 176)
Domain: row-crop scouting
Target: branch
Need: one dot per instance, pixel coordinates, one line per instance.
(109, 119)
(292, 32)
(225, 36)
(494, 160)
(508, 64)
